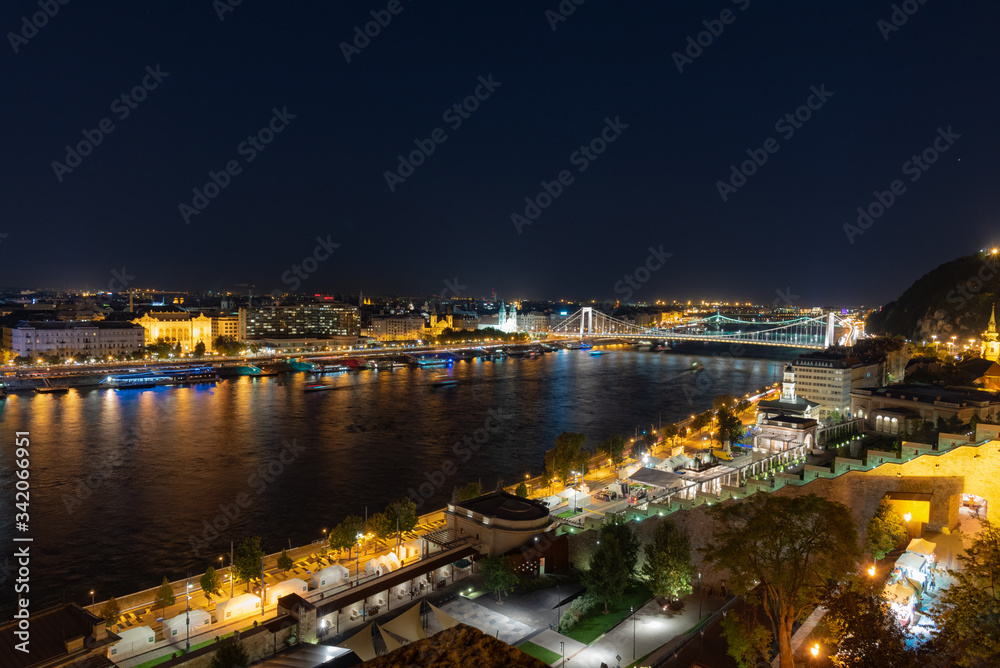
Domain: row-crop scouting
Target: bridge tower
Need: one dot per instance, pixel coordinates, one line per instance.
(587, 314)
(829, 329)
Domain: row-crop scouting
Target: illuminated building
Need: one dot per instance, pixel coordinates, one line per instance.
(69, 339)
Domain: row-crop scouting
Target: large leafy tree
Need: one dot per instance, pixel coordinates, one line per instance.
(211, 583)
(747, 641)
(381, 525)
(164, 597)
(730, 426)
(617, 526)
(864, 628)
(668, 566)
(498, 574)
(607, 574)
(701, 420)
(885, 531)
(469, 491)
(969, 612)
(247, 561)
(671, 431)
(403, 513)
(230, 653)
(566, 455)
(613, 448)
(285, 562)
(789, 547)
(344, 536)
(521, 490)
(111, 611)
(724, 401)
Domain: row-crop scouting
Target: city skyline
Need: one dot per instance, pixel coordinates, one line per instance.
(230, 143)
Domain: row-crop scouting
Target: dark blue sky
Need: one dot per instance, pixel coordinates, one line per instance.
(655, 184)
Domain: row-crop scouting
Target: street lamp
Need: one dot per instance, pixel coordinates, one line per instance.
(187, 615)
(699, 596)
(92, 604)
(871, 571)
(562, 650)
(632, 608)
(814, 650)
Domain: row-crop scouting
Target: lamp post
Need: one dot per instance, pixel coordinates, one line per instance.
(357, 562)
(562, 650)
(92, 604)
(700, 596)
(632, 608)
(187, 615)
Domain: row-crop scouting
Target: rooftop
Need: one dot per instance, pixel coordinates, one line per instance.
(931, 394)
(50, 629)
(505, 506)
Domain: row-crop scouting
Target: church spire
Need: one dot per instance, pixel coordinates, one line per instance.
(992, 328)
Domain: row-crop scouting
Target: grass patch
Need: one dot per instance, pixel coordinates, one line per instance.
(167, 657)
(596, 624)
(539, 652)
(566, 514)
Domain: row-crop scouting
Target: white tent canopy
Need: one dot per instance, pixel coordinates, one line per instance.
(373, 567)
(176, 627)
(911, 562)
(921, 546)
(328, 576)
(899, 593)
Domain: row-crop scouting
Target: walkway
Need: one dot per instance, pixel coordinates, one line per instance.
(489, 622)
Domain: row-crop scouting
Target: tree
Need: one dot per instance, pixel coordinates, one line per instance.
(227, 346)
(403, 513)
(344, 536)
(247, 561)
(748, 642)
(522, 490)
(211, 583)
(613, 448)
(724, 401)
(885, 531)
(864, 628)
(285, 562)
(164, 596)
(470, 491)
(789, 547)
(566, 454)
(230, 653)
(969, 611)
(498, 575)
(607, 574)
(668, 568)
(617, 526)
(110, 612)
(381, 525)
(701, 421)
(730, 426)
(199, 349)
(671, 431)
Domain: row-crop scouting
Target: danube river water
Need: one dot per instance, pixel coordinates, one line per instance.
(125, 484)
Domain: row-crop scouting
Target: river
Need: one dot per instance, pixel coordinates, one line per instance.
(124, 484)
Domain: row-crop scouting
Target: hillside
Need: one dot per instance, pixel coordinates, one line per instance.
(951, 300)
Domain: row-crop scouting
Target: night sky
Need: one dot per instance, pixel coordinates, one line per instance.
(607, 68)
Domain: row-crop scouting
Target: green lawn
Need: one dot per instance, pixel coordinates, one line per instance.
(596, 624)
(567, 514)
(539, 652)
(164, 659)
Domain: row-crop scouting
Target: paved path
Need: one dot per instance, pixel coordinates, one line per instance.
(488, 621)
(551, 640)
(653, 628)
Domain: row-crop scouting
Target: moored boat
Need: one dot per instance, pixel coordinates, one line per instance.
(443, 380)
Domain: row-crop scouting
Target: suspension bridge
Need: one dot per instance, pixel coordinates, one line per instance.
(812, 332)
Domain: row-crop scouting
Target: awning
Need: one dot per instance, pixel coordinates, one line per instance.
(407, 625)
(921, 546)
(658, 478)
(899, 593)
(462, 563)
(911, 561)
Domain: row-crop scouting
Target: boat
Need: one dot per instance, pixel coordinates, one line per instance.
(320, 387)
(697, 366)
(443, 380)
(205, 374)
(3, 391)
(595, 353)
(135, 381)
(49, 388)
(433, 361)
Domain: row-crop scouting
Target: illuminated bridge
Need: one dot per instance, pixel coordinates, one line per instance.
(816, 333)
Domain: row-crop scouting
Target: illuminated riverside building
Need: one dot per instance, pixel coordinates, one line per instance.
(177, 327)
(321, 320)
(69, 339)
